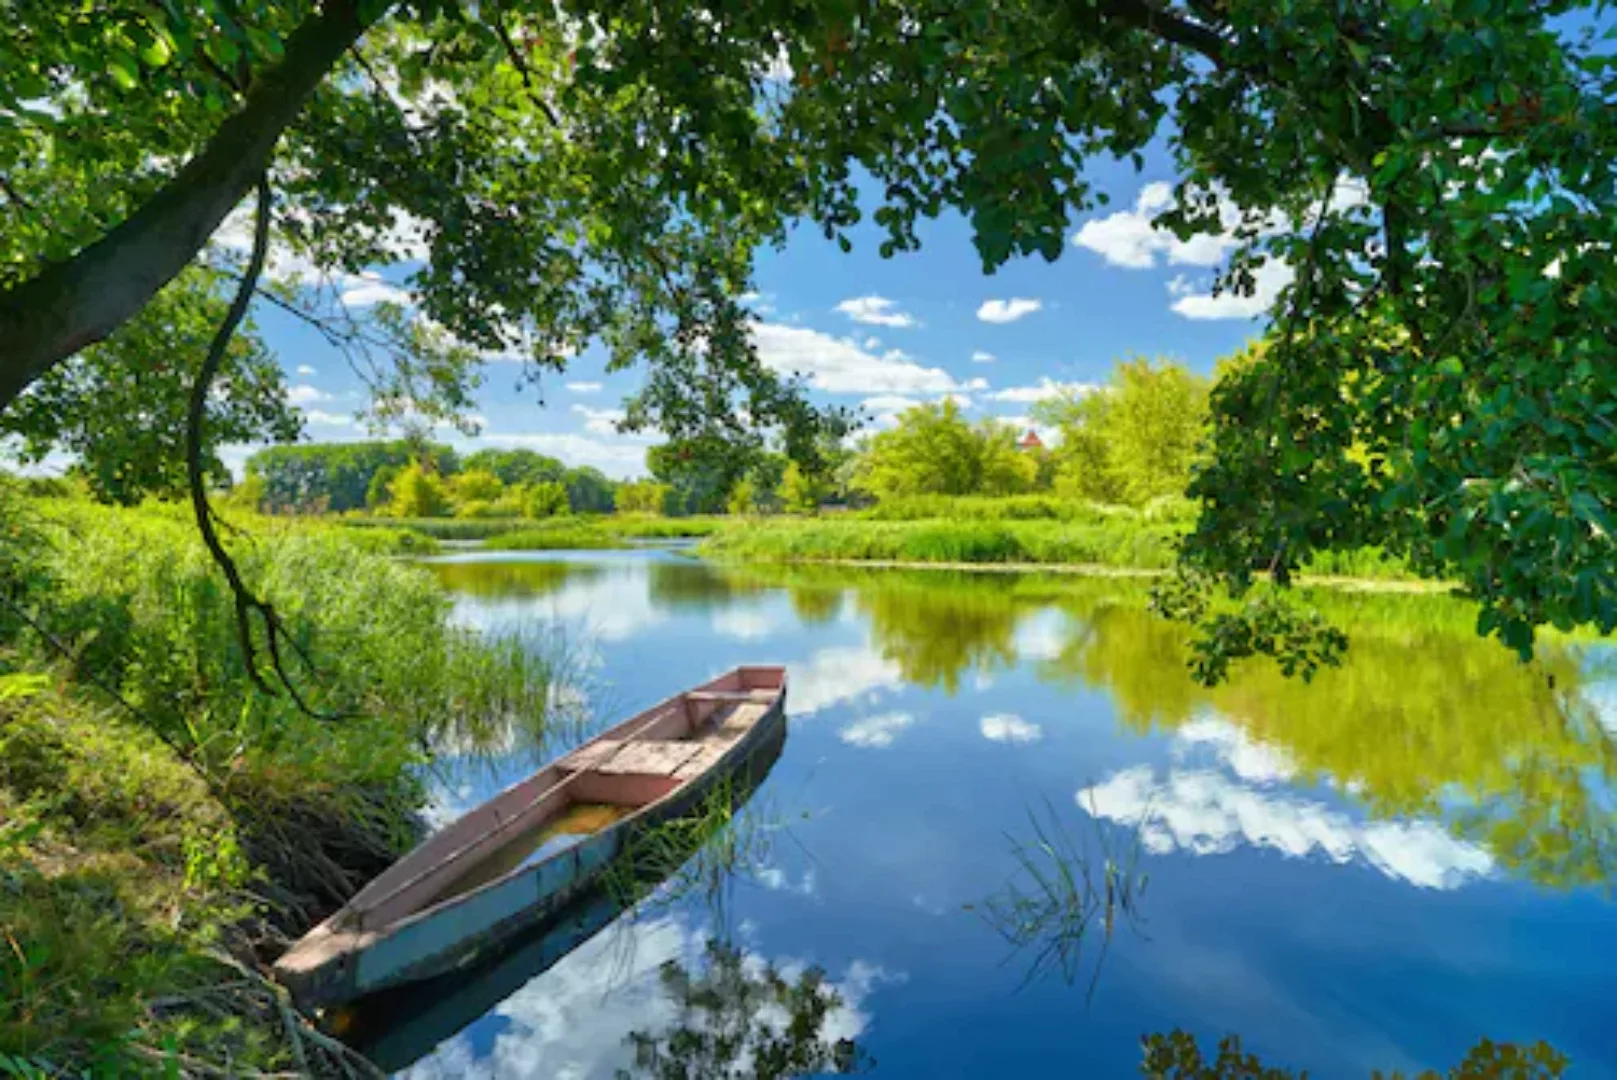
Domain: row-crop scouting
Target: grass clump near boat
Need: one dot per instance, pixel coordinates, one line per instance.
(165, 827)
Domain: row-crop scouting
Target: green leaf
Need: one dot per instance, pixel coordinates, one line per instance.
(124, 69)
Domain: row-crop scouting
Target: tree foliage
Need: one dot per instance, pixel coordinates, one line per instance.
(417, 492)
(1436, 180)
(119, 407)
(934, 450)
(1133, 440)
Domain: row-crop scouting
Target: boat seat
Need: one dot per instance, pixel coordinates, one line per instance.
(707, 755)
(648, 758)
(591, 755)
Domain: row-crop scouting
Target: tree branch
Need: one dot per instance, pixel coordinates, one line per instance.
(1157, 19)
(246, 603)
(76, 303)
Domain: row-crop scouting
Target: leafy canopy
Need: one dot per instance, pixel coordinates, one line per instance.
(1436, 179)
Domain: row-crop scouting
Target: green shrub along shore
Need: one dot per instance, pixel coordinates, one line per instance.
(165, 828)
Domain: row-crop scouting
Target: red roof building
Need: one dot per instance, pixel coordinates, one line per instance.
(1031, 441)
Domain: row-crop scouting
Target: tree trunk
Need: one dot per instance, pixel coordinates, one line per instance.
(76, 303)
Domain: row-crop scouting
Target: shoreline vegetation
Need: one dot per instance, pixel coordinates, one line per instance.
(165, 827)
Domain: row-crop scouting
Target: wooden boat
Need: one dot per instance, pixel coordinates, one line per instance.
(402, 1024)
(517, 860)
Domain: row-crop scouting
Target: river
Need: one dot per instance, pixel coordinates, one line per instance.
(1371, 871)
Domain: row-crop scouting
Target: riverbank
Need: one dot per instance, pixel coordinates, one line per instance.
(165, 828)
(1118, 542)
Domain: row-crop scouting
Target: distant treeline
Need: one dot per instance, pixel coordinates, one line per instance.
(413, 479)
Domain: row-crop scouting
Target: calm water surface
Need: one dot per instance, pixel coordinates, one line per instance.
(1374, 871)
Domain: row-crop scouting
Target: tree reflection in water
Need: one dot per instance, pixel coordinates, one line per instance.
(1423, 719)
(741, 1018)
(1175, 1056)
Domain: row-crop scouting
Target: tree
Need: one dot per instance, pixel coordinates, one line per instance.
(544, 499)
(417, 493)
(516, 466)
(477, 485)
(803, 492)
(589, 491)
(114, 407)
(339, 476)
(1446, 171)
(1134, 440)
(378, 491)
(643, 497)
(743, 498)
(935, 451)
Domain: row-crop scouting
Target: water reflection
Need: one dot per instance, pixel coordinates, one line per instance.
(1423, 721)
(646, 998)
(1351, 872)
(738, 1017)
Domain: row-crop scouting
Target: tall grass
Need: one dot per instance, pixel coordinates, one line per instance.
(560, 534)
(156, 806)
(1065, 893)
(1120, 542)
(1022, 508)
(440, 528)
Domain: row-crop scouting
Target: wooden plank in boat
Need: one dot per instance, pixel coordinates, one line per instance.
(707, 755)
(592, 755)
(649, 758)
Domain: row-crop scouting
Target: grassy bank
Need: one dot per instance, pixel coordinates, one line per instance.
(165, 828)
(1116, 542)
(603, 532)
(1088, 536)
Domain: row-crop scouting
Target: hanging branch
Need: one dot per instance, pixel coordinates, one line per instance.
(246, 603)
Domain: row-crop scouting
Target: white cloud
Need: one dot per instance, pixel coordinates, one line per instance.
(304, 394)
(584, 387)
(888, 403)
(980, 357)
(839, 674)
(1128, 239)
(1268, 281)
(321, 418)
(601, 421)
(873, 342)
(1046, 388)
(1005, 728)
(741, 624)
(775, 879)
(876, 311)
(841, 366)
(1235, 800)
(875, 732)
(1004, 311)
(367, 289)
(305, 370)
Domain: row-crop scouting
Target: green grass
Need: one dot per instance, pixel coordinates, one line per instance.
(559, 534)
(1114, 537)
(1116, 542)
(157, 813)
(1021, 508)
(440, 528)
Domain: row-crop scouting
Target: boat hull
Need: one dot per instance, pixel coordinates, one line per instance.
(336, 964)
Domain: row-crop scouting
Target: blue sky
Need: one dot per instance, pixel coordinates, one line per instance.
(873, 332)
